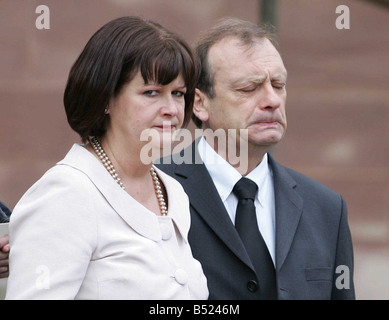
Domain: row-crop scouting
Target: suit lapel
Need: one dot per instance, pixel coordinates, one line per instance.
(288, 207)
(205, 200)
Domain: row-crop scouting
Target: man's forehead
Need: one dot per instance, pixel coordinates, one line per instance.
(230, 54)
(232, 47)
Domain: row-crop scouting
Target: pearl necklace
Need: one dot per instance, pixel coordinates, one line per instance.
(158, 192)
(111, 169)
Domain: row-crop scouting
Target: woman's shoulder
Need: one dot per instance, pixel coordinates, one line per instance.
(63, 195)
(67, 174)
(64, 177)
(60, 188)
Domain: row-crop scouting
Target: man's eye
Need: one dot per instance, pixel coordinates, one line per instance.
(248, 89)
(279, 85)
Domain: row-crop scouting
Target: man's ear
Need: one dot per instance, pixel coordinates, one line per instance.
(201, 105)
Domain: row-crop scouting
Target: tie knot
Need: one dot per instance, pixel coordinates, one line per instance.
(245, 189)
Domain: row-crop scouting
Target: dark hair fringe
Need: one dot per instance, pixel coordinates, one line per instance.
(112, 57)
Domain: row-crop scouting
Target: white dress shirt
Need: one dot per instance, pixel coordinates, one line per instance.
(76, 234)
(226, 176)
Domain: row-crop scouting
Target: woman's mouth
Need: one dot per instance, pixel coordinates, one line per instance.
(165, 127)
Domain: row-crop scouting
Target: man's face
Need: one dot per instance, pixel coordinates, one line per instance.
(250, 93)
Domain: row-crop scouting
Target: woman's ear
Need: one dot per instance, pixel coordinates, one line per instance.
(201, 105)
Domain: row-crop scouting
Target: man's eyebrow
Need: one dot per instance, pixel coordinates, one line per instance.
(280, 77)
(258, 79)
(248, 80)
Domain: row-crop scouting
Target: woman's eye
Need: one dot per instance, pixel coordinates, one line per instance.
(151, 93)
(178, 94)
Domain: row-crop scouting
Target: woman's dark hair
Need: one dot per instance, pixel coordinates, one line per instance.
(112, 57)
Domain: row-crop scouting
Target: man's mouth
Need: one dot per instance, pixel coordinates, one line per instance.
(267, 124)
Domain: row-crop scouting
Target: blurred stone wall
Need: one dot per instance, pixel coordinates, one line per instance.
(338, 99)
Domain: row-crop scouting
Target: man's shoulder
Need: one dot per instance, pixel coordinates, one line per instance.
(305, 183)
(182, 161)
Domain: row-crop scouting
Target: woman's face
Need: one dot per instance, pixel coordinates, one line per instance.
(143, 108)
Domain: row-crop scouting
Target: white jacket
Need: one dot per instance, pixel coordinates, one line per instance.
(76, 234)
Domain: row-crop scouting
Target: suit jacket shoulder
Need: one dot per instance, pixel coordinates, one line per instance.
(305, 185)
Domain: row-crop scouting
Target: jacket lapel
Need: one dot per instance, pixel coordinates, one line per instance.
(205, 200)
(288, 207)
(132, 212)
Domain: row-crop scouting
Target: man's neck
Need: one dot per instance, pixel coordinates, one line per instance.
(244, 160)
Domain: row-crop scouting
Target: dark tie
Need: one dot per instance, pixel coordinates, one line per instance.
(247, 227)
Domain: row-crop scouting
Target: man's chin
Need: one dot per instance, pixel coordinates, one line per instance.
(268, 140)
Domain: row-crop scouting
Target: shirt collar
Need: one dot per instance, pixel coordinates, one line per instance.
(226, 176)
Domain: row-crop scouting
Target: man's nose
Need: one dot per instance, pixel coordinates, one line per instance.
(270, 98)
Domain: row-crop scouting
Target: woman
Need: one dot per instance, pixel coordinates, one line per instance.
(102, 224)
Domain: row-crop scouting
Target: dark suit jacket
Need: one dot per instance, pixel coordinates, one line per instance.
(314, 253)
(5, 213)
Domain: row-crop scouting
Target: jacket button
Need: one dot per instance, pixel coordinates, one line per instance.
(252, 286)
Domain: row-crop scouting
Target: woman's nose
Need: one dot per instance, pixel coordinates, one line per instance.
(169, 107)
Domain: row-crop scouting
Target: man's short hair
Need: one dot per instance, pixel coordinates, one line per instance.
(247, 32)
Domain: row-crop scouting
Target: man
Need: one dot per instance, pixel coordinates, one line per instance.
(304, 242)
(5, 212)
